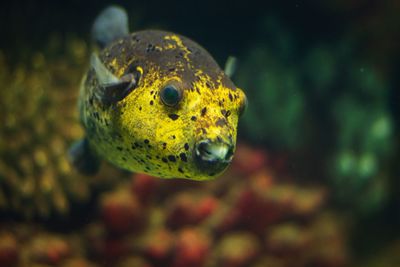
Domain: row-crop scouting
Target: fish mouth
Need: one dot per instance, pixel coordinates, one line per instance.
(213, 156)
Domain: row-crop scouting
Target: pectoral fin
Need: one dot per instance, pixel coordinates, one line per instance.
(111, 88)
(83, 158)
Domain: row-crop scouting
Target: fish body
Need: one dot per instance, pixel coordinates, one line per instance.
(156, 102)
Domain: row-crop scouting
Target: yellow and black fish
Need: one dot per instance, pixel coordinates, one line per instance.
(155, 102)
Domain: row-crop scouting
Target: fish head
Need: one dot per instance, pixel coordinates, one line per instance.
(184, 111)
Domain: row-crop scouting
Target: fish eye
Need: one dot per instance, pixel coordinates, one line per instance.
(243, 106)
(170, 95)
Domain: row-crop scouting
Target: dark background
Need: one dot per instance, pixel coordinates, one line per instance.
(224, 27)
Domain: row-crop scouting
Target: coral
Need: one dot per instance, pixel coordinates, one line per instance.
(248, 217)
(78, 262)
(191, 249)
(237, 249)
(249, 160)
(144, 186)
(49, 250)
(9, 250)
(287, 239)
(158, 244)
(298, 245)
(260, 203)
(39, 121)
(321, 230)
(121, 211)
(189, 208)
(134, 261)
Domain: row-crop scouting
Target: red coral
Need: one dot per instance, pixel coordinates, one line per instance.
(206, 207)
(237, 249)
(248, 160)
(158, 245)
(77, 262)
(8, 250)
(49, 250)
(121, 212)
(190, 208)
(192, 248)
(288, 240)
(144, 186)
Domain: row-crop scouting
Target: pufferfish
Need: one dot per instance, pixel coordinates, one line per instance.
(155, 102)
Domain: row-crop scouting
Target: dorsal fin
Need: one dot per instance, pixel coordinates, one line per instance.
(110, 24)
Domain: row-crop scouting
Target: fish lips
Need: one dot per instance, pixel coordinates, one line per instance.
(213, 157)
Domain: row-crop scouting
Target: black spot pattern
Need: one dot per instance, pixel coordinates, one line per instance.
(183, 157)
(173, 116)
(221, 122)
(226, 113)
(203, 111)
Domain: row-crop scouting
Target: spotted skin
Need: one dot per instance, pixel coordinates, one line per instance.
(142, 134)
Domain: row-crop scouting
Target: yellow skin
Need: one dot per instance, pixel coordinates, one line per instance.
(142, 134)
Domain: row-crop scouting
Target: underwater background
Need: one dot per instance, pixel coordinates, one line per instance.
(315, 178)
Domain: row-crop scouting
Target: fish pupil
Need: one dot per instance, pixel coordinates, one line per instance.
(170, 95)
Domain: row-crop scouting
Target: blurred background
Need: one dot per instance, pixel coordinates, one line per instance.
(315, 176)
